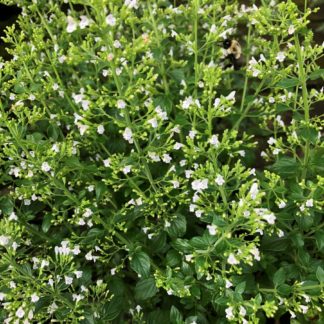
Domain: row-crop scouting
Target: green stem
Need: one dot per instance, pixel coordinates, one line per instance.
(196, 67)
(246, 75)
(303, 80)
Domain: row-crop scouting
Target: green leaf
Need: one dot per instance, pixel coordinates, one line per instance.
(113, 308)
(240, 288)
(320, 274)
(319, 236)
(101, 188)
(145, 289)
(177, 74)
(178, 227)
(279, 277)
(284, 290)
(141, 264)
(286, 166)
(175, 316)
(47, 222)
(173, 258)
(287, 83)
(182, 245)
(277, 244)
(317, 74)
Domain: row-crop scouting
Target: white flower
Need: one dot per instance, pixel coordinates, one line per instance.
(216, 102)
(212, 229)
(153, 122)
(45, 167)
(106, 163)
(282, 204)
(232, 260)
(31, 97)
(177, 146)
(254, 190)
(304, 309)
(111, 20)
(121, 104)
(229, 313)
(281, 233)
(291, 29)
(68, 280)
(166, 158)
(34, 298)
(187, 102)
(85, 104)
(100, 129)
(256, 253)
(117, 44)
(2, 296)
(228, 284)
(4, 240)
(78, 274)
(20, 312)
(175, 183)
(128, 135)
(309, 203)
(72, 24)
(199, 185)
(270, 218)
(131, 4)
(188, 257)
(82, 128)
(271, 141)
(214, 140)
(127, 169)
(219, 180)
(231, 96)
(281, 56)
(242, 311)
(276, 151)
(85, 21)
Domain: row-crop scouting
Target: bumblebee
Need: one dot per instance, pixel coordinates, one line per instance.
(234, 53)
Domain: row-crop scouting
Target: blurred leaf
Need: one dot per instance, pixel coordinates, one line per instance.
(145, 289)
(140, 263)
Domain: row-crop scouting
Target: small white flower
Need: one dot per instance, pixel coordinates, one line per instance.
(271, 141)
(85, 21)
(219, 180)
(214, 140)
(231, 96)
(106, 163)
(256, 253)
(199, 185)
(187, 102)
(128, 135)
(228, 284)
(4, 240)
(232, 260)
(20, 312)
(117, 44)
(82, 128)
(276, 151)
(127, 169)
(131, 4)
(45, 167)
(31, 97)
(166, 158)
(242, 311)
(72, 24)
(34, 298)
(282, 204)
(281, 233)
(175, 183)
(229, 313)
(304, 309)
(270, 218)
(188, 257)
(153, 122)
(212, 229)
(2, 296)
(216, 102)
(111, 20)
(254, 190)
(281, 56)
(100, 129)
(121, 104)
(291, 29)
(177, 146)
(68, 280)
(309, 203)
(78, 274)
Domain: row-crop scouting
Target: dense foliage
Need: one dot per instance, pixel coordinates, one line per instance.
(146, 181)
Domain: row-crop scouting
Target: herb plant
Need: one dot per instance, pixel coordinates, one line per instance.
(143, 180)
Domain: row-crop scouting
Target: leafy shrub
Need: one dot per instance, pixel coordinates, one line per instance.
(144, 181)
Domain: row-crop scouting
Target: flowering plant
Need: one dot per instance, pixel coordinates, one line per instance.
(144, 180)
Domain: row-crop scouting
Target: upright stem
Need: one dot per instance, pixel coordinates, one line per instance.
(195, 35)
(303, 80)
